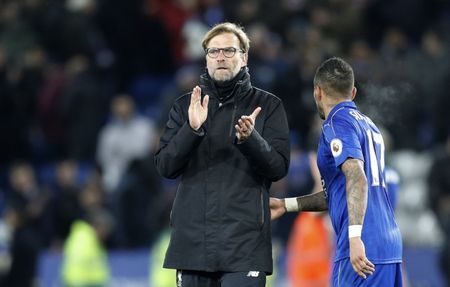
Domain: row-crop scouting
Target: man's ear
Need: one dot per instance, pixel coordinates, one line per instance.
(244, 58)
(354, 90)
(317, 93)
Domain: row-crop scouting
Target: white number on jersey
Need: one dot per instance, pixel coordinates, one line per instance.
(376, 154)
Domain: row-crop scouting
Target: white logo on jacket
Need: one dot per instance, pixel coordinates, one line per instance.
(179, 278)
(253, 274)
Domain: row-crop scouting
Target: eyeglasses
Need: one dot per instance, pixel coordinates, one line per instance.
(228, 52)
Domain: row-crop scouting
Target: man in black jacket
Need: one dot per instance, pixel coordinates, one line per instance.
(228, 141)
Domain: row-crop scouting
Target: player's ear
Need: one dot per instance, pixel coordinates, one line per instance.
(353, 93)
(317, 93)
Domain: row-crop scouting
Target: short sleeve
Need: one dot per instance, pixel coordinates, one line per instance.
(344, 141)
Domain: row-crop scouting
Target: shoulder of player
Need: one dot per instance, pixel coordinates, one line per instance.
(340, 116)
(342, 113)
(340, 119)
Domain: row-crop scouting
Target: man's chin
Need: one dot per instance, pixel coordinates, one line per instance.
(222, 78)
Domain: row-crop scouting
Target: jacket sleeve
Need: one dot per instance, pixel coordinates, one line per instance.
(176, 144)
(269, 153)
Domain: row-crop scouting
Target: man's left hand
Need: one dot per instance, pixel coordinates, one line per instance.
(246, 125)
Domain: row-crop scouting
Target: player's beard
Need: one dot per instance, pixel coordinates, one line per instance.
(320, 111)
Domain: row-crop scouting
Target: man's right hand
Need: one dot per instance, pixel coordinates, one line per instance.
(198, 112)
(358, 258)
(277, 208)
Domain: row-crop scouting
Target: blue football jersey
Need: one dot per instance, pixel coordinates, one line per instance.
(347, 133)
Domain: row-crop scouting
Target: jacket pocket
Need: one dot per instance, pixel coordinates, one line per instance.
(262, 210)
(173, 211)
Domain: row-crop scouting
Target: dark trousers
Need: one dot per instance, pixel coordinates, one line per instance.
(188, 278)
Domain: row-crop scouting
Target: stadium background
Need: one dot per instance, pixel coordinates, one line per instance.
(65, 150)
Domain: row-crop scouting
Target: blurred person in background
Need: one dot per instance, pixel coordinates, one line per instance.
(29, 215)
(392, 176)
(21, 64)
(85, 262)
(84, 104)
(26, 222)
(351, 162)
(310, 250)
(228, 141)
(429, 69)
(65, 204)
(25, 188)
(24, 245)
(126, 137)
(142, 203)
(439, 199)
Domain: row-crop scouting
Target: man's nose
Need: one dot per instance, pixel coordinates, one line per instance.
(221, 56)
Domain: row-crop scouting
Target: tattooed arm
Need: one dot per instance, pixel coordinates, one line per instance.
(356, 192)
(310, 202)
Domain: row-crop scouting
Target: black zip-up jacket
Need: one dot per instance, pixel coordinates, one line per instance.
(220, 216)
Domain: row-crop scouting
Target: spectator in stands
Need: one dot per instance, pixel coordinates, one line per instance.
(85, 259)
(65, 203)
(24, 246)
(439, 199)
(126, 137)
(142, 205)
(85, 107)
(27, 216)
(25, 189)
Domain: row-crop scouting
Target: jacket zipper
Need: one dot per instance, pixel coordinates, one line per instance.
(233, 115)
(232, 120)
(262, 208)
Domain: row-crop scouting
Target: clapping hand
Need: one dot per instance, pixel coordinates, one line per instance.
(198, 111)
(246, 125)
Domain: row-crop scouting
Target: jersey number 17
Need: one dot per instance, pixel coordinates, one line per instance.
(376, 154)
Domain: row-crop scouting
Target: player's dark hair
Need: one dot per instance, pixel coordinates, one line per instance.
(335, 76)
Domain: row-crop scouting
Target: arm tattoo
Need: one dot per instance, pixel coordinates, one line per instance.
(313, 202)
(356, 190)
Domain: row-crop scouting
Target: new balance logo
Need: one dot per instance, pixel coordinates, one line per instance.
(179, 279)
(253, 274)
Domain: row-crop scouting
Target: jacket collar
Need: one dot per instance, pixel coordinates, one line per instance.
(344, 104)
(209, 88)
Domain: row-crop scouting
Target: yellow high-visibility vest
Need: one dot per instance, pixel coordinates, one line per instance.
(84, 259)
(160, 277)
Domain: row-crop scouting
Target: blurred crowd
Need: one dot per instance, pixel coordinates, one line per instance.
(85, 87)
